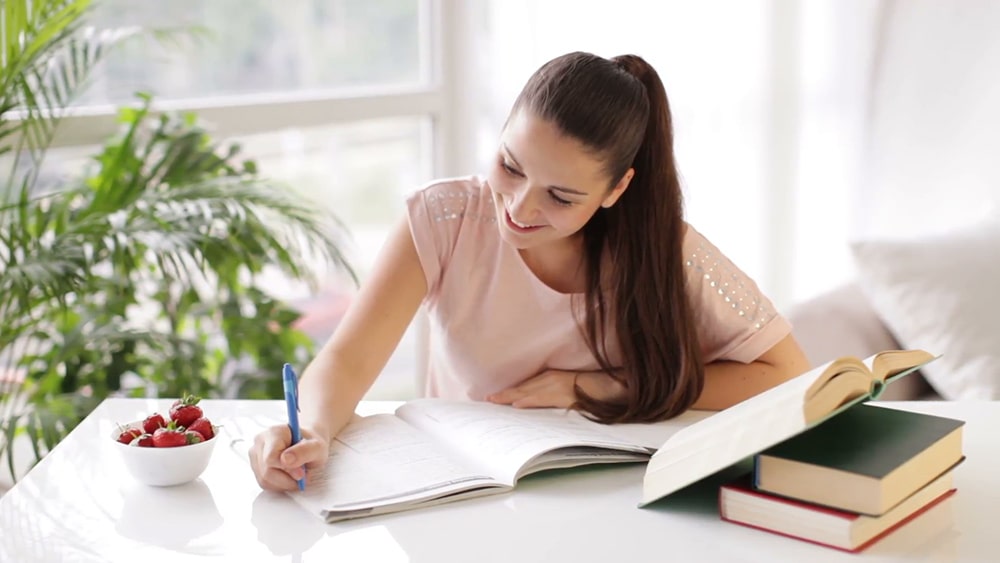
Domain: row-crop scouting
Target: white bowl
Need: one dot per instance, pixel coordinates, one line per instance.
(164, 467)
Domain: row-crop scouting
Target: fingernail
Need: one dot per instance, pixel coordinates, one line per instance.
(288, 458)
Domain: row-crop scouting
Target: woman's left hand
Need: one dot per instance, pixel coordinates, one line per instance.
(555, 388)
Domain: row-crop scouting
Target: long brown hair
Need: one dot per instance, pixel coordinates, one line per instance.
(635, 278)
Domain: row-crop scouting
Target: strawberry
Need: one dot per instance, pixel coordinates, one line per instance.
(126, 435)
(143, 441)
(153, 422)
(185, 410)
(192, 437)
(204, 427)
(170, 436)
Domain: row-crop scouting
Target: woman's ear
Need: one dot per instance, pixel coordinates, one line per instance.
(617, 191)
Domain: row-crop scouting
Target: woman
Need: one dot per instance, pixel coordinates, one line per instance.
(566, 277)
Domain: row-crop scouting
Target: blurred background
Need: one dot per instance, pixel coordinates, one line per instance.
(786, 114)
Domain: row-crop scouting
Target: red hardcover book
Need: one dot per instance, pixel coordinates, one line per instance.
(741, 504)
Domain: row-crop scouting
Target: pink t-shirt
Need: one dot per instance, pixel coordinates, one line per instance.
(493, 323)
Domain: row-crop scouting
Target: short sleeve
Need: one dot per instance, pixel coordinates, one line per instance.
(735, 320)
(437, 214)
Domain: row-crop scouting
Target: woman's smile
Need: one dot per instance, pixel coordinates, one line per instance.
(517, 226)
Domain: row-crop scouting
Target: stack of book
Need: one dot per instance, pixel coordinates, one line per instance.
(851, 480)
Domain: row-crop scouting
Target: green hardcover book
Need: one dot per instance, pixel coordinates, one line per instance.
(866, 459)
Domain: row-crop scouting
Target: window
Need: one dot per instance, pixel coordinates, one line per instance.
(238, 47)
(342, 99)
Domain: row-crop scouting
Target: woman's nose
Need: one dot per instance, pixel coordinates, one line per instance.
(521, 206)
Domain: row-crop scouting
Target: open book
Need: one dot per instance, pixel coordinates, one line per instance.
(432, 451)
(773, 416)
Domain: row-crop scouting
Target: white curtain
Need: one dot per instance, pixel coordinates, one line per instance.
(932, 154)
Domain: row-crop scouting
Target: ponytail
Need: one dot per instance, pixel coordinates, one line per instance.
(633, 249)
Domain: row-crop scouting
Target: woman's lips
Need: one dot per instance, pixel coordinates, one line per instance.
(518, 228)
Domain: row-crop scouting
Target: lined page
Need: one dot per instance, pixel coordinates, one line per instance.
(380, 460)
(507, 439)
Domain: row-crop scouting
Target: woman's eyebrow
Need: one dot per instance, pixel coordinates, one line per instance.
(557, 188)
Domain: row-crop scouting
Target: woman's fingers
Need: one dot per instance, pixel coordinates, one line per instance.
(269, 452)
(551, 388)
(507, 396)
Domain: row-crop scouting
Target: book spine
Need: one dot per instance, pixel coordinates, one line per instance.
(756, 471)
(877, 388)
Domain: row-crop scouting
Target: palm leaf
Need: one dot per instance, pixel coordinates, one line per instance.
(37, 38)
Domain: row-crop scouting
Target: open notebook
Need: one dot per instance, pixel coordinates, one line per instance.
(432, 451)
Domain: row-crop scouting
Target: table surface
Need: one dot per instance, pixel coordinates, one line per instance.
(80, 504)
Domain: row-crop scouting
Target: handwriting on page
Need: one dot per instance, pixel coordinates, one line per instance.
(382, 458)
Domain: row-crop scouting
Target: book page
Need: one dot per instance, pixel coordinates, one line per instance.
(652, 435)
(846, 372)
(509, 439)
(727, 437)
(380, 460)
(890, 364)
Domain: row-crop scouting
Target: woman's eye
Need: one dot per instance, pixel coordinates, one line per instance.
(560, 200)
(509, 169)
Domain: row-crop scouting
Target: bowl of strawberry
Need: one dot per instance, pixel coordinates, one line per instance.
(166, 450)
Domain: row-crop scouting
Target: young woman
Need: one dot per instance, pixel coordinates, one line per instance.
(566, 277)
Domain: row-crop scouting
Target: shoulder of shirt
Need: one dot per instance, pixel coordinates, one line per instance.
(697, 249)
(462, 186)
(693, 239)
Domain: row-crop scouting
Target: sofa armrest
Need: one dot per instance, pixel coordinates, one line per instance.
(841, 322)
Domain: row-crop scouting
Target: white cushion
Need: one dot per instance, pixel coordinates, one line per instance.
(942, 294)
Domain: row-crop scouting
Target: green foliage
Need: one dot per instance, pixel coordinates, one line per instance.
(143, 274)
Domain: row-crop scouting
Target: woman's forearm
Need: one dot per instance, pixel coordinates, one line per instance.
(347, 365)
(728, 383)
(329, 392)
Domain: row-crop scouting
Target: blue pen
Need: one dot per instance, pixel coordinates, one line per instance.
(291, 385)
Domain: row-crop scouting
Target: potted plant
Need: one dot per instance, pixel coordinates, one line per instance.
(142, 273)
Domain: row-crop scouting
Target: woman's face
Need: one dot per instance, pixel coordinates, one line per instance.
(546, 185)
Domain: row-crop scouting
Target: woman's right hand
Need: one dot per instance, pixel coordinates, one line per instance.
(277, 464)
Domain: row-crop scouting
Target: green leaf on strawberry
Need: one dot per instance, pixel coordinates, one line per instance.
(186, 410)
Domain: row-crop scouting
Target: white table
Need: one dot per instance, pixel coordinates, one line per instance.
(79, 504)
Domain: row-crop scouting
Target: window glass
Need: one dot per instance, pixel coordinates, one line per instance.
(236, 47)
